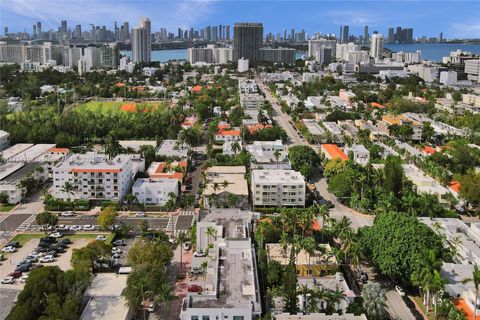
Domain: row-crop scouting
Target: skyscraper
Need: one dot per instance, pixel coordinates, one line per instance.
(34, 30)
(247, 40)
(141, 42)
(440, 38)
(376, 46)
(365, 34)
(64, 27)
(340, 35)
(227, 33)
(345, 34)
(39, 28)
(391, 35)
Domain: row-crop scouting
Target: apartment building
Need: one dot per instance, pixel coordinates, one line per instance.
(251, 101)
(277, 188)
(226, 186)
(268, 155)
(155, 191)
(426, 184)
(247, 86)
(230, 288)
(360, 154)
(173, 149)
(12, 173)
(95, 176)
(388, 120)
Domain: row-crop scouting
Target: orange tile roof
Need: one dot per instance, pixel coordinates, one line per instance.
(253, 128)
(428, 150)
(197, 88)
(171, 174)
(120, 84)
(189, 121)
(90, 170)
(377, 105)
(223, 126)
(461, 305)
(455, 186)
(334, 151)
(229, 133)
(391, 120)
(316, 225)
(58, 150)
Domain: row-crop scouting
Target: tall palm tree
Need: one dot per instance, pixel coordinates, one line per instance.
(68, 189)
(476, 282)
(374, 301)
(324, 214)
(309, 246)
(203, 267)
(304, 291)
(276, 155)
(181, 239)
(336, 297)
(210, 234)
(164, 296)
(343, 228)
(236, 147)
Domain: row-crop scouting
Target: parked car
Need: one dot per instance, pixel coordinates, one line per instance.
(199, 253)
(195, 270)
(8, 280)
(9, 249)
(140, 214)
(119, 242)
(327, 203)
(52, 253)
(186, 246)
(46, 259)
(75, 228)
(88, 227)
(194, 288)
(48, 239)
(14, 244)
(23, 268)
(66, 241)
(101, 237)
(400, 291)
(60, 227)
(67, 214)
(15, 274)
(57, 248)
(24, 278)
(115, 256)
(56, 235)
(117, 250)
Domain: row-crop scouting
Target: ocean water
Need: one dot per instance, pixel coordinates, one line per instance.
(430, 51)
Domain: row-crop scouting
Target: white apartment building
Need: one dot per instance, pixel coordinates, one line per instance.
(247, 86)
(252, 101)
(173, 148)
(243, 65)
(472, 69)
(315, 46)
(4, 139)
(357, 57)
(343, 49)
(448, 78)
(155, 191)
(407, 57)
(376, 46)
(263, 155)
(95, 176)
(230, 289)
(11, 173)
(471, 99)
(277, 188)
(360, 154)
(426, 184)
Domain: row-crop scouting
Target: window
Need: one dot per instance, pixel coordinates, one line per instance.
(205, 317)
(238, 318)
(194, 318)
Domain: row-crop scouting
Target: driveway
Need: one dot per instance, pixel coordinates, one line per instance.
(7, 299)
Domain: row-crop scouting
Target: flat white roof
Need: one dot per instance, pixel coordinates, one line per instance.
(15, 149)
(32, 153)
(277, 176)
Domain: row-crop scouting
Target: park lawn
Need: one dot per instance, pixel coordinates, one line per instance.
(25, 237)
(6, 207)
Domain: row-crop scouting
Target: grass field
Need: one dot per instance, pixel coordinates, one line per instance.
(6, 207)
(25, 237)
(112, 106)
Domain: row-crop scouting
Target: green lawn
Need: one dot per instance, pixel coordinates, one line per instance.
(6, 207)
(419, 302)
(109, 106)
(25, 237)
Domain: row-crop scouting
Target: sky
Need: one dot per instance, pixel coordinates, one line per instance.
(456, 19)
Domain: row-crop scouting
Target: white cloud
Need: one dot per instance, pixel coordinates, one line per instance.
(465, 29)
(354, 18)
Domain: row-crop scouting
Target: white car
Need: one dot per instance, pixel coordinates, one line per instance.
(48, 258)
(8, 280)
(186, 246)
(67, 214)
(400, 291)
(117, 250)
(56, 235)
(140, 214)
(9, 249)
(24, 278)
(101, 237)
(60, 227)
(88, 227)
(199, 253)
(195, 270)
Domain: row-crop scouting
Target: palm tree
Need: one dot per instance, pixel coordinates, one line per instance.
(181, 239)
(309, 246)
(374, 301)
(305, 292)
(276, 155)
(336, 297)
(476, 282)
(343, 228)
(324, 214)
(164, 296)
(203, 267)
(210, 233)
(68, 189)
(236, 147)
(225, 184)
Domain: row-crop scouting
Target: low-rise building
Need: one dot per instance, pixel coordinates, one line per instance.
(321, 263)
(136, 145)
(155, 191)
(268, 155)
(320, 316)
(95, 176)
(360, 154)
(252, 101)
(226, 187)
(332, 151)
(334, 129)
(170, 170)
(388, 120)
(4, 140)
(228, 135)
(11, 173)
(426, 184)
(278, 188)
(173, 149)
(315, 102)
(230, 288)
(314, 129)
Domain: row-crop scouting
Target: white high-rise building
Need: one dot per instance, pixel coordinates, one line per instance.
(343, 49)
(314, 46)
(278, 188)
(376, 46)
(141, 42)
(357, 57)
(92, 57)
(242, 65)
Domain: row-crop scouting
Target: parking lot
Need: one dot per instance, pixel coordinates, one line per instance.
(62, 260)
(7, 298)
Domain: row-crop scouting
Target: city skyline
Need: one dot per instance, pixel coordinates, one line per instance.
(430, 19)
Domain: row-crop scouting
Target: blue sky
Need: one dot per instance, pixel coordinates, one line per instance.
(453, 18)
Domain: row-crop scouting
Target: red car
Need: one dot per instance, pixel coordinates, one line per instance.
(15, 274)
(194, 288)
